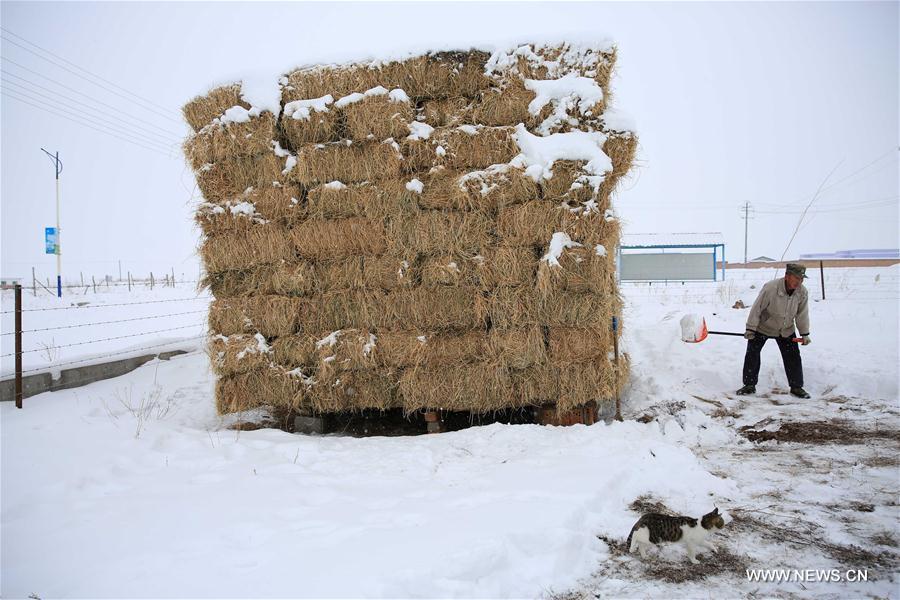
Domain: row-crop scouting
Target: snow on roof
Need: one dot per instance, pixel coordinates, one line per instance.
(643, 240)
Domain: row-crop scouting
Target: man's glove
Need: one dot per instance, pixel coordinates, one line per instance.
(749, 334)
(806, 341)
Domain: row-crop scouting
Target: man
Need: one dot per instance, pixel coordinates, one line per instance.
(780, 303)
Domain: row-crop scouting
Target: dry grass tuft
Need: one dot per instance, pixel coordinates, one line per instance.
(200, 111)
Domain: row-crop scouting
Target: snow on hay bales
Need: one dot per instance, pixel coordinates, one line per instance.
(425, 233)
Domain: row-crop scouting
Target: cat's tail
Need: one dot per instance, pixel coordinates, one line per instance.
(628, 546)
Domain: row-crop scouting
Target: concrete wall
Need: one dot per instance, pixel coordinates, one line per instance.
(78, 376)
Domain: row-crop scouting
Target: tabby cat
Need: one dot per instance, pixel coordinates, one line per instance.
(654, 528)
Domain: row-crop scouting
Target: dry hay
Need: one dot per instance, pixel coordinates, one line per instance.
(265, 243)
(220, 141)
(553, 61)
(433, 75)
(343, 350)
(412, 348)
(517, 349)
(579, 270)
(464, 147)
(365, 272)
(347, 162)
(227, 179)
(431, 309)
(286, 279)
(496, 266)
(353, 391)
(200, 111)
(570, 386)
(486, 190)
(569, 178)
(476, 388)
(254, 206)
(512, 307)
(507, 104)
(338, 238)
(272, 386)
(230, 355)
(377, 117)
(336, 200)
(447, 112)
(431, 232)
(310, 126)
(534, 223)
(579, 344)
(272, 316)
(331, 311)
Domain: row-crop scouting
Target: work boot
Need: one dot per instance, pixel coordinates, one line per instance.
(799, 392)
(746, 390)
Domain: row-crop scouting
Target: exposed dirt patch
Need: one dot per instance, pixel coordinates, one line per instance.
(649, 504)
(720, 562)
(819, 432)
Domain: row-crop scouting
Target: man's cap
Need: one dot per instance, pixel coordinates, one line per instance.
(795, 269)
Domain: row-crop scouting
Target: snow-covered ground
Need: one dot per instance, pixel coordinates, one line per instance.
(133, 487)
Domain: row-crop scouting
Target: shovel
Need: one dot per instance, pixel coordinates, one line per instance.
(693, 330)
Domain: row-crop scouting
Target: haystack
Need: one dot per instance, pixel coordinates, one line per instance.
(433, 232)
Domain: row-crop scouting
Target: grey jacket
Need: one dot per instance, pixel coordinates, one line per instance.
(774, 312)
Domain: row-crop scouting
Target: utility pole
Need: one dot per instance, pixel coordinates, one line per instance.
(746, 218)
(58, 167)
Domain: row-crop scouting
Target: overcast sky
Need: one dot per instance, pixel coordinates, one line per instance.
(734, 103)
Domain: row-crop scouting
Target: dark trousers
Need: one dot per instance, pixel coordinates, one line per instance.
(790, 355)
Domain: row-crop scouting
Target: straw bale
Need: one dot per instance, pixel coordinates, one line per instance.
(374, 201)
(272, 316)
(569, 345)
(322, 239)
(441, 349)
(552, 61)
(228, 179)
(201, 110)
(464, 147)
(517, 349)
(275, 387)
(216, 219)
(377, 117)
(219, 141)
(296, 350)
(446, 112)
(536, 386)
(346, 161)
(569, 183)
(534, 223)
(486, 190)
(506, 104)
(477, 388)
(430, 232)
(334, 310)
(323, 80)
(514, 307)
(430, 309)
(238, 353)
(352, 391)
(579, 270)
(252, 207)
(343, 350)
(319, 128)
(496, 266)
(365, 272)
(439, 74)
(266, 243)
(583, 383)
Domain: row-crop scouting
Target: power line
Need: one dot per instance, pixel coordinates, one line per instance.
(169, 137)
(69, 117)
(38, 97)
(56, 64)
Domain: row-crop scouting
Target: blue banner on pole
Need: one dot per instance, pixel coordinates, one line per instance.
(51, 240)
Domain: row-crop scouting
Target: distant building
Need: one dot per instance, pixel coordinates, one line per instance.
(763, 259)
(854, 254)
(671, 256)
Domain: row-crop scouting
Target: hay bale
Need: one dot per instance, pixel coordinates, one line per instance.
(353, 391)
(313, 120)
(433, 232)
(366, 272)
(484, 190)
(240, 353)
(296, 350)
(228, 179)
(504, 105)
(496, 266)
(323, 80)
(579, 270)
(267, 243)
(339, 238)
(254, 206)
(336, 200)
(400, 349)
(476, 388)
(272, 316)
(517, 349)
(273, 386)
(201, 110)
(376, 114)
(331, 311)
(515, 307)
(447, 112)
(430, 309)
(534, 223)
(568, 345)
(555, 60)
(229, 216)
(570, 180)
(348, 162)
(463, 147)
(584, 383)
(225, 139)
(343, 350)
